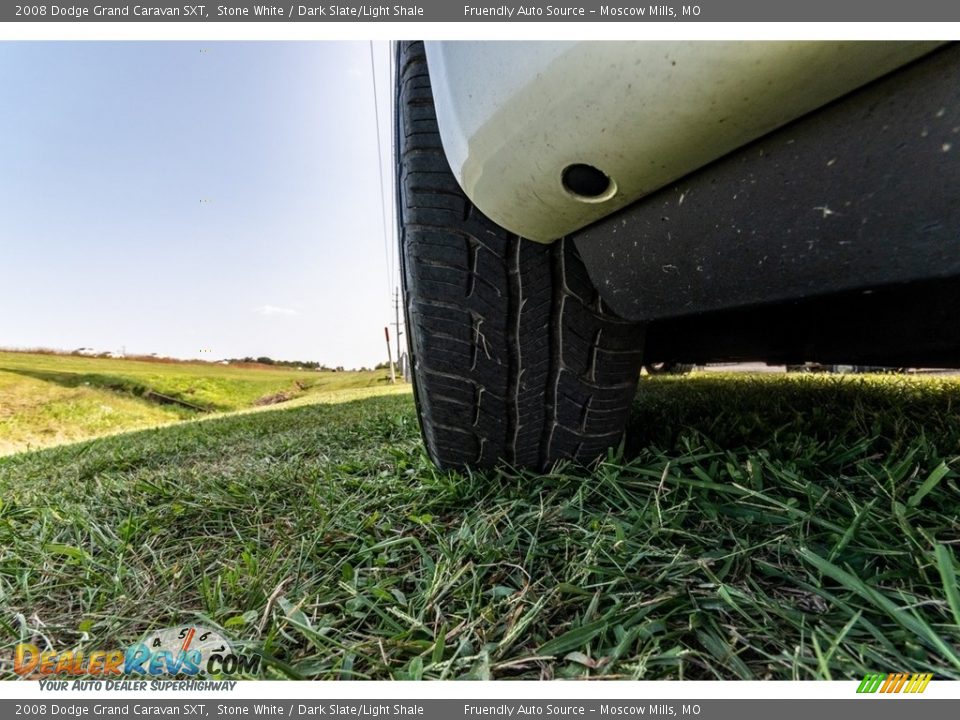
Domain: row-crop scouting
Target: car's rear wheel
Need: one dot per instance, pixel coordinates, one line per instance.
(515, 357)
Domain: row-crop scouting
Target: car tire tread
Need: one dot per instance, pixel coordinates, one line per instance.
(514, 355)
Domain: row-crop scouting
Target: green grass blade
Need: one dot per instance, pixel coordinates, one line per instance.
(947, 567)
(938, 474)
(918, 627)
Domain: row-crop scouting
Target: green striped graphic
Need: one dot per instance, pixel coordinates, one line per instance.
(871, 682)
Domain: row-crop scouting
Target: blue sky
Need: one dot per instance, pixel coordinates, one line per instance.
(177, 197)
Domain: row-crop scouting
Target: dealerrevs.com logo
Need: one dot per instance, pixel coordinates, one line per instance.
(184, 650)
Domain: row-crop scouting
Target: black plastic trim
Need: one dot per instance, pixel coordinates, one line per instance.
(862, 194)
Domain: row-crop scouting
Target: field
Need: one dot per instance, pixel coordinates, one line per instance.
(752, 527)
(48, 399)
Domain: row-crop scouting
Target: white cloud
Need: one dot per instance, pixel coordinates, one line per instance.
(266, 310)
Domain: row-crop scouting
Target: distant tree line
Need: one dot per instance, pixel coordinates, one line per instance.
(299, 364)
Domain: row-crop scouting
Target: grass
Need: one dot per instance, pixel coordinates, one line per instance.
(752, 528)
(48, 399)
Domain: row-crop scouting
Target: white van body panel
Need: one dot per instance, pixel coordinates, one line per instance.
(513, 115)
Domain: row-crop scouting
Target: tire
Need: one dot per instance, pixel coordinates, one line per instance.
(514, 356)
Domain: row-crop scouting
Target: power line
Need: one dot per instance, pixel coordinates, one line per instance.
(394, 196)
(388, 256)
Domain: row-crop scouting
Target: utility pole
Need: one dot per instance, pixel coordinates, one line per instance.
(393, 375)
(396, 324)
